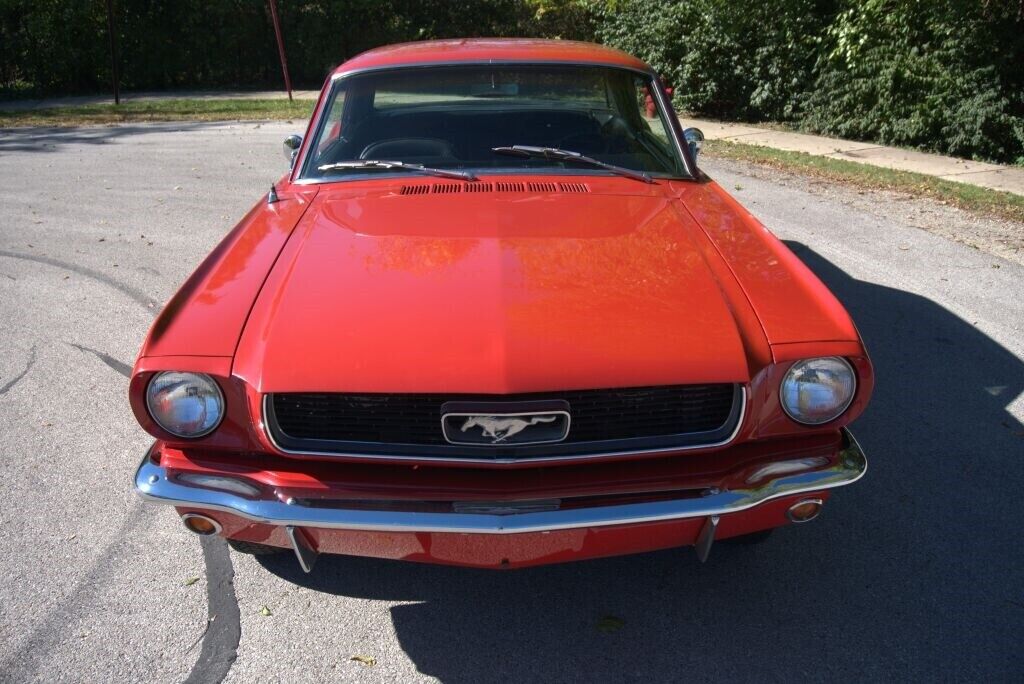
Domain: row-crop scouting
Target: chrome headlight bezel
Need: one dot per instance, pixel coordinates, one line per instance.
(202, 380)
(841, 407)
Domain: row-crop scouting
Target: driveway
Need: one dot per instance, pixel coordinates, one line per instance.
(916, 572)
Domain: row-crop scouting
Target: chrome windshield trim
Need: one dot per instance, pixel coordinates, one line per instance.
(483, 173)
(672, 121)
(426, 460)
(666, 110)
(152, 484)
(490, 62)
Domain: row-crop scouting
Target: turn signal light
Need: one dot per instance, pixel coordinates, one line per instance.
(200, 524)
(804, 511)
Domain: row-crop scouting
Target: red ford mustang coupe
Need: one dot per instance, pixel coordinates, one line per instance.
(495, 316)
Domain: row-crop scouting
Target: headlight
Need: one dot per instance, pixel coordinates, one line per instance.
(185, 404)
(816, 391)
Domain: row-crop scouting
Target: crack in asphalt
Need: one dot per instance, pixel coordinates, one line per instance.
(223, 630)
(119, 366)
(127, 290)
(224, 621)
(17, 378)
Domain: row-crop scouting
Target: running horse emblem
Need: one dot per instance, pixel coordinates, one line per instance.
(500, 429)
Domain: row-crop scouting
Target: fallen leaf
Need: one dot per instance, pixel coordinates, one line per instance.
(265, 612)
(368, 661)
(609, 624)
(190, 581)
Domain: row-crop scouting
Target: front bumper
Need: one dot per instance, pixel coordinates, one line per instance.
(276, 519)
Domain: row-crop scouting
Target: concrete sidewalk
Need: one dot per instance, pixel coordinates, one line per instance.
(982, 174)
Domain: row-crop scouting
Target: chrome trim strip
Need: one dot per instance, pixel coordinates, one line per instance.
(671, 120)
(152, 484)
(506, 461)
(428, 64)
(486, 174)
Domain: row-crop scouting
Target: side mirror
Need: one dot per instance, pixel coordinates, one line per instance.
(291, 147)
(694, 138)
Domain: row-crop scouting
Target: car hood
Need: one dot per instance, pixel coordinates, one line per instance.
(485, 292)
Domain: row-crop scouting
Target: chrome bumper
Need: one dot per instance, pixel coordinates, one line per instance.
(153, 484)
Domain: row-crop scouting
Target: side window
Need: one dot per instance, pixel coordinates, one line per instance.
(331, 131)
(649, 112)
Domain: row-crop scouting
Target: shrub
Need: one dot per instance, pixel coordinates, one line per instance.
(921, 74)
(731, 60)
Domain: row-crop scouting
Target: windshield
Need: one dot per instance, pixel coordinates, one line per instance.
(452, 117)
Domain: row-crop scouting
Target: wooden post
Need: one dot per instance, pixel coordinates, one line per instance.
(280, 47)
(113, 51)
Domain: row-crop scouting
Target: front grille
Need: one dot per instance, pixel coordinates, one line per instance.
(602, 421)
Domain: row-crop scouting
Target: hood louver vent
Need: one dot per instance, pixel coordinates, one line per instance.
(542, 187)
(573, 187)
(510, 187)
(501, 186)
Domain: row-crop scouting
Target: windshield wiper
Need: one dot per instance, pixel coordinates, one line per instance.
(558, 154)
(387, 164)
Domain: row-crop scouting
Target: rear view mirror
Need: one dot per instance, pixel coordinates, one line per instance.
(291, 148)
(694, 138)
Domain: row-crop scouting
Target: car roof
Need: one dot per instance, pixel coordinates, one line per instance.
(489, 50)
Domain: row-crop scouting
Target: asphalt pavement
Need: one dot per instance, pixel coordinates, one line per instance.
(914, 573)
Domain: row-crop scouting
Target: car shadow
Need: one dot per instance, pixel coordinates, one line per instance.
(913, 572)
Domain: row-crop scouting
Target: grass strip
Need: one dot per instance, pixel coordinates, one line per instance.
(191, 109)
(993, 203)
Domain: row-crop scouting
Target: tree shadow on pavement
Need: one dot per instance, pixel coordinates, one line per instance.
(913, 572)
(51, 138)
